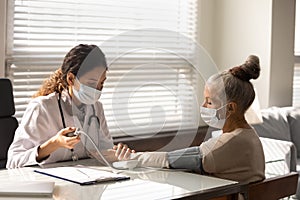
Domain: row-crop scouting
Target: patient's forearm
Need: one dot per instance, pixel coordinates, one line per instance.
(151, 159)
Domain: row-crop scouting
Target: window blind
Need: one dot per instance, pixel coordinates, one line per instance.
(296, 80)
(296, 85)
(150, 84)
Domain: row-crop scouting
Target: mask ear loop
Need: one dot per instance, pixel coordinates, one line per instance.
(70, 78)
(218, 115)
(76, 81)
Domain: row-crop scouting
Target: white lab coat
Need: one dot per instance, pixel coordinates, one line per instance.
(41, 121)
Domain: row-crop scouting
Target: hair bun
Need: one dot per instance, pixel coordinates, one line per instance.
(249, 70)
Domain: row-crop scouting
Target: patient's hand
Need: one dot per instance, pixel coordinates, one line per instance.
(122, 151)
(118, 152)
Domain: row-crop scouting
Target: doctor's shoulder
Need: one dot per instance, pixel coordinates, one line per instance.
(42, 103)
(99, 107)
(48, 99)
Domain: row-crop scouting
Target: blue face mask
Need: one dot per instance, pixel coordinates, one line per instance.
(209, 116)
(86, 94)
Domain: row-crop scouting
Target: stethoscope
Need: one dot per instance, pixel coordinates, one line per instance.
(74, 155)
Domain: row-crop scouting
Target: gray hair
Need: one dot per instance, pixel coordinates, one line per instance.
(234, 85)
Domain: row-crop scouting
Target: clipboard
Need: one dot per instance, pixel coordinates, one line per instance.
(82, 175)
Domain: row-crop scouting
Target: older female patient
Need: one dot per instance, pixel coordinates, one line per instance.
(237, 154)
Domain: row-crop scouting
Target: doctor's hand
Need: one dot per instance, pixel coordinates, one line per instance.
(66, 142)
(57, 141)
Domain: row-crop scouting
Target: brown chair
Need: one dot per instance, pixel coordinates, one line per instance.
(273, 188)
(269, 189)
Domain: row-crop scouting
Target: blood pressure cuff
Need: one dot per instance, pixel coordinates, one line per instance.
(188, 158)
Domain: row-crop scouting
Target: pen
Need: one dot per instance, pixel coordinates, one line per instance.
(83, 173)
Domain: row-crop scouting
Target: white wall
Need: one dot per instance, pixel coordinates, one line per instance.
(206, 24)
(282, 53)
(2, 36)
(243, 27)
(261, 27)
(205, 38)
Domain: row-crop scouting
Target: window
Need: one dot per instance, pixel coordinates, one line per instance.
(297, 29)
(296, 83)
(150, 85)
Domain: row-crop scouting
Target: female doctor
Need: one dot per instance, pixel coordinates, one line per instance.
(66, 101)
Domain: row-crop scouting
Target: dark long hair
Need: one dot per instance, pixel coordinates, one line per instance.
(84, 57)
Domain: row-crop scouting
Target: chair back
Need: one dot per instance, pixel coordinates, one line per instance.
(269, 189)
(273, 188)
(8, 123)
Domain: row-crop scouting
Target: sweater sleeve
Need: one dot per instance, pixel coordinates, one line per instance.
(208, 162)
(151, 159)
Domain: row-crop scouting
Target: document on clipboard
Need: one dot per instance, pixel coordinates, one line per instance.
(82, 175)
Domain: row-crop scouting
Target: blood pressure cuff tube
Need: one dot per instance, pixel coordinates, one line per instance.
(188, 158)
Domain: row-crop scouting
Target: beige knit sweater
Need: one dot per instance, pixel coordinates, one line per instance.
(236, 155)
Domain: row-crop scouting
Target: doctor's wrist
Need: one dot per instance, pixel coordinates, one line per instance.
(40, 158)
(45, 149)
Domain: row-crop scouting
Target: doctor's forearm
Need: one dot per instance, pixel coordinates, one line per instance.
(46, 149)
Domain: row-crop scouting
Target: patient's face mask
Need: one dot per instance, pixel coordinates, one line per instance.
(86, 94)
(210, 117)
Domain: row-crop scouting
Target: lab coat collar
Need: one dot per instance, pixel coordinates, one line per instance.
(65, 97)
(67, 101)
